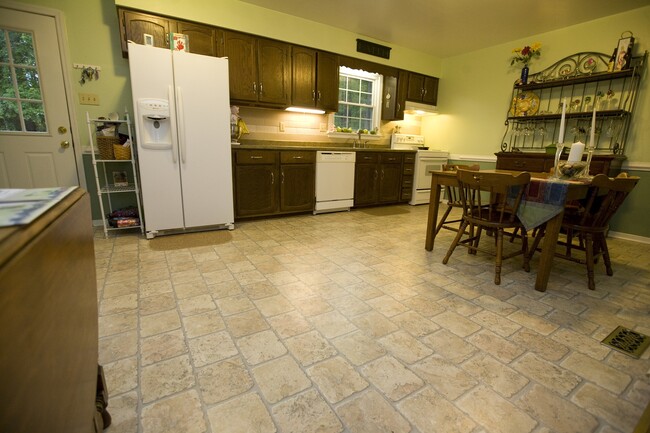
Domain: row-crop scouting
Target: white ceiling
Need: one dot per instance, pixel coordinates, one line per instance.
(445, 28)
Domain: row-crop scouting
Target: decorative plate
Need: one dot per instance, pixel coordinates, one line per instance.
(525, 104)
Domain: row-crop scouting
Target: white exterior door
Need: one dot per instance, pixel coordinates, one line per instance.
(36, 147)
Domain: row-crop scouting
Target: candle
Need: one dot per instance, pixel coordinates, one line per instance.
(592, 135)
(576, 152)
(560, 138)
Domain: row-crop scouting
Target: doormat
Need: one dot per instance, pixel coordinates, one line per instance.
(627, 341)
(190, 240)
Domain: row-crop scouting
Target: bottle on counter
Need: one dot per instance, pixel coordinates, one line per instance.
(612, 62)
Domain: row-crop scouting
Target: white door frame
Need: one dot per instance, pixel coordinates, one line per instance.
(62, 40)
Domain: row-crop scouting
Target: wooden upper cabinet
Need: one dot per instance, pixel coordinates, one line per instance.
(274, 72)
(259, 68)
(422, 88)
(202, 38)
(315, 79)
(397, 87)
(327, 81)
(240, 49)
(134, 25)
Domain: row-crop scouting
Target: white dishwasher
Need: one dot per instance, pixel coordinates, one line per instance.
(334, 181)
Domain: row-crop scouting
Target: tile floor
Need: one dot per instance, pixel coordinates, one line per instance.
(344, 323)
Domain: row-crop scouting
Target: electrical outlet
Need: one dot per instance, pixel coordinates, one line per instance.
(88, 99)
(281, 127)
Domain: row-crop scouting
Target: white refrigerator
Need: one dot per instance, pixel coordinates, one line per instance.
(182, 121)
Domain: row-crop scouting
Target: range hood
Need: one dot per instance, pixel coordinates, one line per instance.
(420, 109)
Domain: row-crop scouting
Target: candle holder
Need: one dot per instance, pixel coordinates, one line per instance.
(556, 163)
(584, 174)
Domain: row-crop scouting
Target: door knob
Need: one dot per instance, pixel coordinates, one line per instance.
(62, 129)
(65, 144)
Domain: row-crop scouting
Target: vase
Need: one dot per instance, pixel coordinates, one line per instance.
(524, 75)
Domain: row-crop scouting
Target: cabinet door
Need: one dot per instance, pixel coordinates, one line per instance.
(297, 187)
(390, 186)
(303, 77)
(389, 98)
(134, 25)
(327, 82)
(255, 190)
(415, 88)
(430, 95)
(202, 38)
(242, 67)
(402, 90)
(365, 184)
(274, 72)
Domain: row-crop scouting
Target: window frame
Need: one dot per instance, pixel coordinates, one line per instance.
(377, 86)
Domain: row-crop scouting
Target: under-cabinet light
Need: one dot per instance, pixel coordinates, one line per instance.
(305, 110)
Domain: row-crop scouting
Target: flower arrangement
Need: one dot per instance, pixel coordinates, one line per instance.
(526, 54)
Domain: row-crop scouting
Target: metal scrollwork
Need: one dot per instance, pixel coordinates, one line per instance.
(576, 65)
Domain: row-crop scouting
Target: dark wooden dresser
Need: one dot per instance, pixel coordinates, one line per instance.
(543, 162)
(48, 322)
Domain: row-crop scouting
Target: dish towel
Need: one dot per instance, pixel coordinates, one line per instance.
(544, 199)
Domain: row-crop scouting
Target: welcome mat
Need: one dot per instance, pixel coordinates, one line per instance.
(626, 341)
(190, 240)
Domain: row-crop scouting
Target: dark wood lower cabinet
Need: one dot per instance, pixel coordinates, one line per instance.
(378, 178)
(269, 182)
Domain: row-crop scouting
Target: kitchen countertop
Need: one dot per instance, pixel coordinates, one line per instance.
(315, 148)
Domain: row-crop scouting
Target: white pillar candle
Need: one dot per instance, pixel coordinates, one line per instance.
(577, 149)
(560, 138)
(592, 135)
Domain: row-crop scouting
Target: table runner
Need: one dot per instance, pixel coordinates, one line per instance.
(544, 199)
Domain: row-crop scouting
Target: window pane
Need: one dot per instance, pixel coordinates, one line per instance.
(34, 116)
(354, 111)
(353, 97)
(6, 85)
(366, 112)
(366, 99)
(22, 48)
(341, 95)
(341, 121)
(366, 86)
(354, 124)
(343, 110)
(343, 81)
(9, 120)
(4, 51)
(28, 84)
(366, 124)
(354, 83)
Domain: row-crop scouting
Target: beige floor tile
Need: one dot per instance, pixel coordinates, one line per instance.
(359, 348)
(273, 305)
(428, 411)
(118, 323)
(124, 413)
(260, 290)
(414, 323)
(312, 306)
(456, 323)
(444, 376)
(119, 304)
(306, 413)
(245, 323)
(576, 341)
(245, 414)
(160, 322)
(369, 412)
(404, 347)
(289, 324)
(619, 413)
(493, 415)
(162, 346)
(387, 305)
(196, 305)
(336, 379)
(157, 303)
(496, 323)
(166, 378)
(118, 346)
(491, 343)
(280, 378)
(223, 380)
(211, 348)
(349, 305)
(495, 374)
(557, 413)
(392, 378)
(550, 375)
(155, 288)
(121, 376)
(539, 344)
(179, 413)
(202, 324)
(332, 324)
(261, 347)
(423, 305)
(309, 348)
(602, 375)
(234, 305)
(225, 289)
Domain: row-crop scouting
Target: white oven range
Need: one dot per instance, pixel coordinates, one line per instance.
(425, 161)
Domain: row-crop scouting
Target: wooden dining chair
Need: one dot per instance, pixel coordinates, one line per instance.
(453, 198)
(490, 201)
(586, 230)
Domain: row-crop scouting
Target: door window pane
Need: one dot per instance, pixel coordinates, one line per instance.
(21, 99)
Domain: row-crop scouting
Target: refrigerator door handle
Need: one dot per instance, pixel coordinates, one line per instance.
(170, 98)
(181, 122)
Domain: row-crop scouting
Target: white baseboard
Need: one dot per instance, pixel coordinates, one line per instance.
(629, 237)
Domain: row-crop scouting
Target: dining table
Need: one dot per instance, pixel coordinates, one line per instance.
(575, 190)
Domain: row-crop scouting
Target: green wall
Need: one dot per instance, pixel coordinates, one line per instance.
(474, 92)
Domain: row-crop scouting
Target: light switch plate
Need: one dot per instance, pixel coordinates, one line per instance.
(88, 99)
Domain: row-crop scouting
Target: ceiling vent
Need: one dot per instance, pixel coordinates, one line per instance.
(373, 49)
